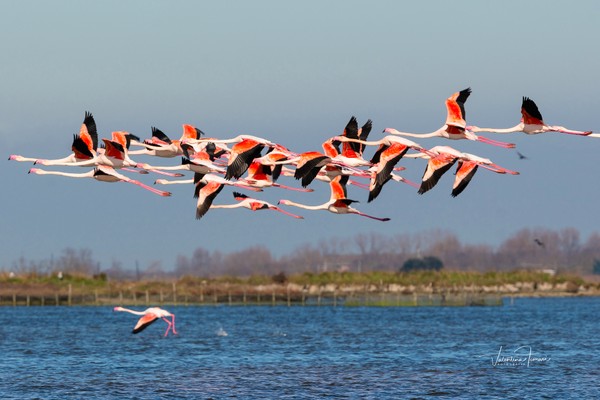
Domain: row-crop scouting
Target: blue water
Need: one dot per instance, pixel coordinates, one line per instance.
(306, 352)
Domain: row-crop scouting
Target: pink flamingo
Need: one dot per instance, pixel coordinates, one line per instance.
(455, 127)
(101, 173)
(84, 144)
(338, 202)
(531, 123)
(253, 205)
(149, 316)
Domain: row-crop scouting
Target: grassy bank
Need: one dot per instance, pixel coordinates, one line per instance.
(368, 288)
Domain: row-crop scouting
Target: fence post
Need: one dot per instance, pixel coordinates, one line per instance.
(288, 295)
(56, 298)
(14, 299)
(147, 297)
(96, 296)
(69, 299)
(175, 293)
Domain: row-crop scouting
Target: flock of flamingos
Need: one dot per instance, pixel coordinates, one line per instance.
(254, 163)
(244, 165)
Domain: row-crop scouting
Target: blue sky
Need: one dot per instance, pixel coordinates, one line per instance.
(292, 72)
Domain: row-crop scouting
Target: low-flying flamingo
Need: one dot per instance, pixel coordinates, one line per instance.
(338, 202)
(455, 127)
(101, 173)
(253, 205)
(149, 316)
(531, 123)
(84, 144)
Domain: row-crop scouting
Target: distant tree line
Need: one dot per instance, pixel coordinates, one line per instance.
(539, 248)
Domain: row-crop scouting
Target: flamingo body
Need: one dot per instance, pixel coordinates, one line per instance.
(149, 316)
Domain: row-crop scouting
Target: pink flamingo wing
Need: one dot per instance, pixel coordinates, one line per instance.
(144, 322)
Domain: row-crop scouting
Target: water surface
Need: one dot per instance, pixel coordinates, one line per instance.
(534, 348)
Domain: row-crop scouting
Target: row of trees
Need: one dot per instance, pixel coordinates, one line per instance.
(540, 248)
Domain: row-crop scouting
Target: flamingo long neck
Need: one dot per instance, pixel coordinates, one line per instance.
(74, 163)
(131, 311)
(516, 128)
(307, 207)
(176, 182)
(67, 174)
(236, 205)
(16, 157)
(69, 160)
(164, 167)
(419, 135)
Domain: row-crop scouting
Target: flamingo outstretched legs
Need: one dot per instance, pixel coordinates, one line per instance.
(171, 325)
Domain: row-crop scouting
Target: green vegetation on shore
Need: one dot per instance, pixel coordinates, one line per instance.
(440, 279)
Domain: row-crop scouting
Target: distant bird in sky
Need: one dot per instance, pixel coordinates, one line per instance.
(253, 205)
(149, 316)
(531, 123)
(455, 127)
(101, 173)
(338, 202)
(521, 156)
(539, 242)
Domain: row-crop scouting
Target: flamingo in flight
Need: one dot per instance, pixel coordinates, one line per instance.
(444, 158)
(205, 178)
(338, 202)
(311, 164)
(466, 168)
(149, 316)
(261, 175)
(391, 150)
(84, 144)
(352, 131)
(160, 145)
(455, 127)
(253, 205)
(374, 188)
(206, 190)
(531, 123)
(101, 173)
(243, 152)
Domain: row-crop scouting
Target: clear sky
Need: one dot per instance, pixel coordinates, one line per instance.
(292, 72)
